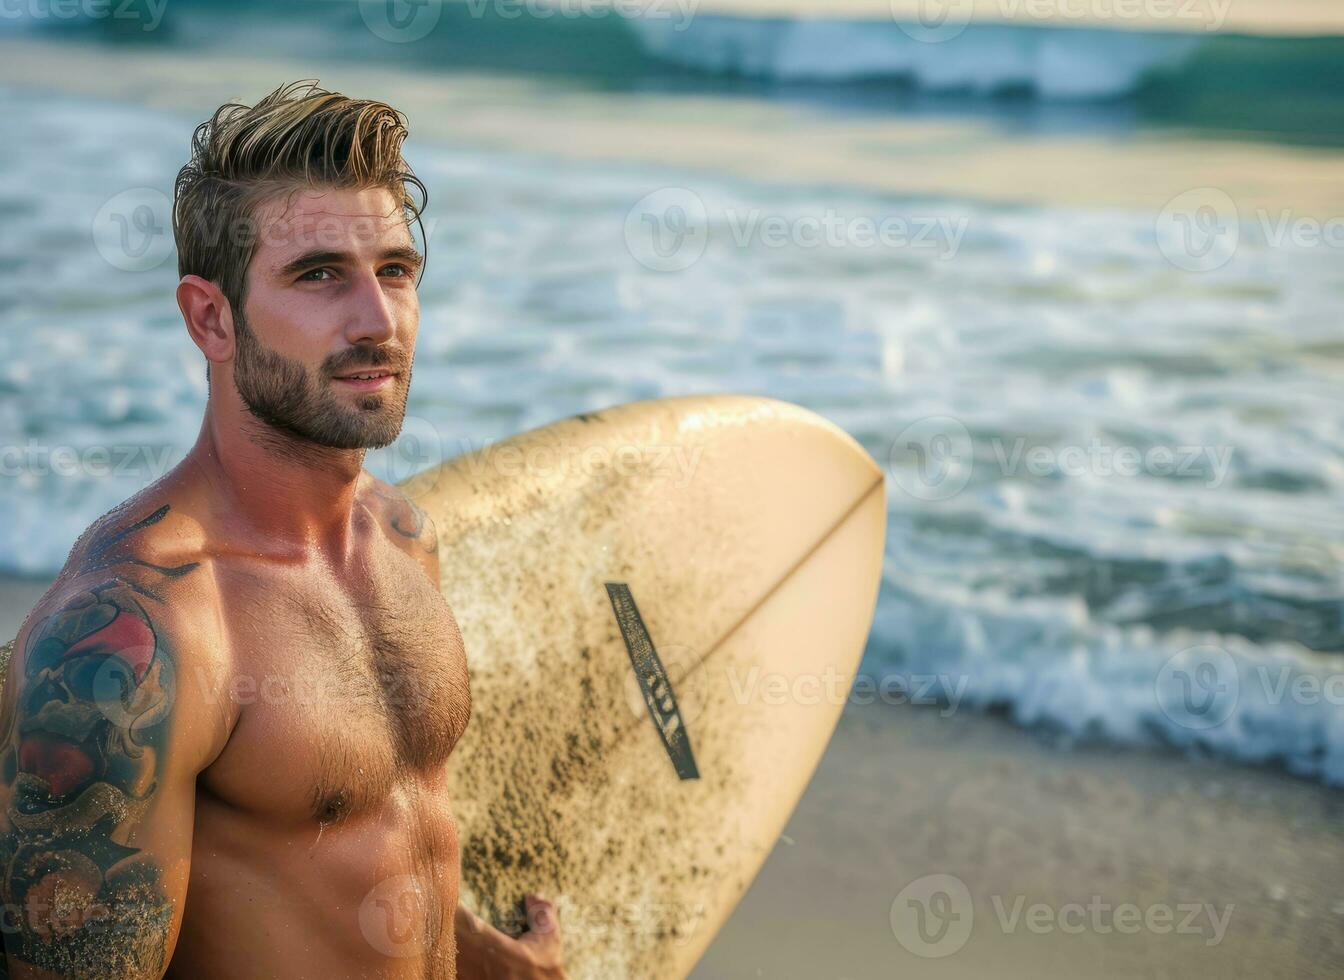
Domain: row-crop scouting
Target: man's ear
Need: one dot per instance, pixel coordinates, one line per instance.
(208, 316)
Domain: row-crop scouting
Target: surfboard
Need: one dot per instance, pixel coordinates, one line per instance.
(663, 605)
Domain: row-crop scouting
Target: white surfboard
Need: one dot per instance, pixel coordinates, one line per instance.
(663, 605)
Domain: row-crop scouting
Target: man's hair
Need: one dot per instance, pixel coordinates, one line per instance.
(296, 137)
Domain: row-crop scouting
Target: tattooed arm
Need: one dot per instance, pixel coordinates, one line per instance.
(101, 748)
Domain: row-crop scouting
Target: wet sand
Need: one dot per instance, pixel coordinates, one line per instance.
(903, 793)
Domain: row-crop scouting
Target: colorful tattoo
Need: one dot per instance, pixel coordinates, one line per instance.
(81, 760)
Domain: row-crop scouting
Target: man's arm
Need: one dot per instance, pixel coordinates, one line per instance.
(102, 743)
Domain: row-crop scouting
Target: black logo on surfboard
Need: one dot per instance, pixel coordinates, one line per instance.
(653, 681)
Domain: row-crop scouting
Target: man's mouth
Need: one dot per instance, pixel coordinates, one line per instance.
(370, 380)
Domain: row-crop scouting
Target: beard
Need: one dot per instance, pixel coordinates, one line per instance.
(284, 394)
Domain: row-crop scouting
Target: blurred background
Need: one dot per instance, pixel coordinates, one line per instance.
(1069, 269)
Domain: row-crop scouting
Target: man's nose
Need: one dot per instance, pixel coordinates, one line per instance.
(373, 318)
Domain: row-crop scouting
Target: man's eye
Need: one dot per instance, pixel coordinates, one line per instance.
(404, 271)
(312, 272)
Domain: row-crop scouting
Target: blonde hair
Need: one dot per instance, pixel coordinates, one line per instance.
(297, 136)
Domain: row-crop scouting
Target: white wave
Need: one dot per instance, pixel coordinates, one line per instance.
(1051, 665)
(1063, 63)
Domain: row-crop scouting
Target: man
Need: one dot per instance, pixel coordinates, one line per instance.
(226, 724)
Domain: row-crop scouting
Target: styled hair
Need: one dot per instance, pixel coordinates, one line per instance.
(296, 137)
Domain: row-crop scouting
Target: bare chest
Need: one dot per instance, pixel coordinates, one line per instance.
(343, 690)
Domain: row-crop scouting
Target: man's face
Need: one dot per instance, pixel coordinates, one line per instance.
(330, 295)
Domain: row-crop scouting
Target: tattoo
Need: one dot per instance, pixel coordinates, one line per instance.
(409, 520)
(82, 759)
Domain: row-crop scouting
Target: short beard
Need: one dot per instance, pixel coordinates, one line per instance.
(284, 394)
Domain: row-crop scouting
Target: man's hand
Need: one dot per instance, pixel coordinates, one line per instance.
(485, 953)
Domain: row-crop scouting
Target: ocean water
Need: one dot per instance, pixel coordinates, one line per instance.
(1114, 483)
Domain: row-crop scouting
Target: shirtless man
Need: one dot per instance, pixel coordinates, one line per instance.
(225, 726)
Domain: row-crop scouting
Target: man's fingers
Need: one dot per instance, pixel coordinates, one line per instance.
(542, 917)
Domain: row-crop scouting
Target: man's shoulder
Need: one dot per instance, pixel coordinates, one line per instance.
(148, 559)
(133, 617)
(404, 521)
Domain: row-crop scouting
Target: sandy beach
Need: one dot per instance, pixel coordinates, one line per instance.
(903, 793)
